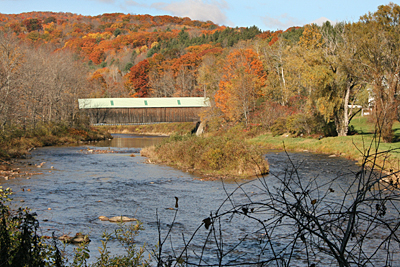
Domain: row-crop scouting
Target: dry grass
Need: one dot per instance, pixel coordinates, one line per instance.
(217, 156)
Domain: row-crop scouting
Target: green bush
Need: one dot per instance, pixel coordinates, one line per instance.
(20, 245)
(303, 124)
(299, 124)
(279, 127)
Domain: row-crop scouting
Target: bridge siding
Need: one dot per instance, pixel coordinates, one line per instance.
(144, 115)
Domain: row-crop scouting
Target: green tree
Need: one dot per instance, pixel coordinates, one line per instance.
(378, 40)
(33, 24)
(117, 32)
(128, 66)
(343, 81)
(183, 36)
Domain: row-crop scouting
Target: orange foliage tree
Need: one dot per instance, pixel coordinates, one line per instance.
(97, 56)
(138, 79)
(185, 72)
(161, 77)
(242, 80)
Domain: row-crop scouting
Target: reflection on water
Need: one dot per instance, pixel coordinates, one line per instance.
(130, 140)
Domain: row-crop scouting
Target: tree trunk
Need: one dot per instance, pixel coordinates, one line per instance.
(385, 108)
(342, 117)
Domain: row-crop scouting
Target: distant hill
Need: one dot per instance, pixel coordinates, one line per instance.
(125, 53)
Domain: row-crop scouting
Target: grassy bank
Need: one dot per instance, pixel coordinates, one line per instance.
(15, 142)
(214, 156)
(351, 147)
(180, 128)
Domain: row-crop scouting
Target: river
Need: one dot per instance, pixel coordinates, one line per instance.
(76, 185)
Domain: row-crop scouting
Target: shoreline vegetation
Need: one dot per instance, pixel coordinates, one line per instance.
(16, 143)
(212, 157)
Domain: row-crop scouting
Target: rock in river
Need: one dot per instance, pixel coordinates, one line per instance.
(117, 219)
(103, 218)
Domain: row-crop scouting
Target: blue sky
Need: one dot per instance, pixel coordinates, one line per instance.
(267, 14)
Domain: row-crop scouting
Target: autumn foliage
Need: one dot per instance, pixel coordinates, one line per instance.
(243, 71)
(139, 79)
(241, 84)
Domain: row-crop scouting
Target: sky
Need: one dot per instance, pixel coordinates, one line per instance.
(265, 14)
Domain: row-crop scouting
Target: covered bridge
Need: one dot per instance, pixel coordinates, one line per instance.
(143, 110)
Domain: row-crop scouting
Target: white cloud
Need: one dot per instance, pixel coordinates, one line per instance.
(281, 22)
(131, 3)
(203, 10)
(322, 20)
(128, 4)
(105, 1)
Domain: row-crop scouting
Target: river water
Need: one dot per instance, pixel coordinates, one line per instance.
(76, 185)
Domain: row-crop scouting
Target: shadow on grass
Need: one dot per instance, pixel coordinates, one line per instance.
(363, 126)
(396, 135)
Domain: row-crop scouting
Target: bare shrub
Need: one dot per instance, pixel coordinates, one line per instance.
(352, 220)
(269, 112)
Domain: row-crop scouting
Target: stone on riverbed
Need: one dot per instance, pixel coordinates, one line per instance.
(78, 238)
(117, 219)
(4, 167)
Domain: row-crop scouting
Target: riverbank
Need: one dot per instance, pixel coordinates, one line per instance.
(355, 147)
(16, 143)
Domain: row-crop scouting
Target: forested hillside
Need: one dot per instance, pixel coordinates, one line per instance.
(301, 80)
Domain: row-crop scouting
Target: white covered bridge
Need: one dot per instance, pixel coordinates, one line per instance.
(143, 110)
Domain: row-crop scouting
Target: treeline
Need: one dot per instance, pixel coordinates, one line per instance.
(39, 89)
(37, 84)
(111, 44)
(225, 38)
(301, 81)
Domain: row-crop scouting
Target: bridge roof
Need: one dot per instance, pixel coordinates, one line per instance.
(163, 102)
